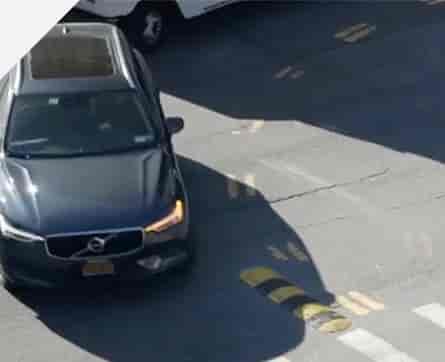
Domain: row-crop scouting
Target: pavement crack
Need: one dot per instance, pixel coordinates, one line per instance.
(374, 175)
(330, 187)
(303, 194)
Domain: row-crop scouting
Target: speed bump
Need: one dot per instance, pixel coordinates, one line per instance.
(281, 291)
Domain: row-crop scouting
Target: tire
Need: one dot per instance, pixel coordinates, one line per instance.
(147, 25)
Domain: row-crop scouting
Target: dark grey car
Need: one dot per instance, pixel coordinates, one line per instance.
(90, 186)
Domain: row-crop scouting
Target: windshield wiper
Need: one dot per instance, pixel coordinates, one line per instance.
(131, 148)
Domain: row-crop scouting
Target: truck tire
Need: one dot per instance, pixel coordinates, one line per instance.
(148, 24)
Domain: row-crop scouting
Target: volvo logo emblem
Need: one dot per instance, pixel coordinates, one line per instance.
(96, 245)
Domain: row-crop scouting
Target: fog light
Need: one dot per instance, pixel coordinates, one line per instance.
(152, 263)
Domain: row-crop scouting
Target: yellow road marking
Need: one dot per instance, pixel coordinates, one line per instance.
(258, 275)
(277, 253)
(250, 184)
(322, 317)
(348, 31)
(309, 310)
(336, 325)
(351, 306)
(232, 186)
(281, 294)
(296, 252)
(366, 301)
(283, 72)
(360, 35)
(256, 126)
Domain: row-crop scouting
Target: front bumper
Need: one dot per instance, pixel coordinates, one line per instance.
(29, 263)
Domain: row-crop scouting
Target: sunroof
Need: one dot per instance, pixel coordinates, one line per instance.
(71, 57)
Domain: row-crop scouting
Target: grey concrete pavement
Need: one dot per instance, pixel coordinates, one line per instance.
(300, 136)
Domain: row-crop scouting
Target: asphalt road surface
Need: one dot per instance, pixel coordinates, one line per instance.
(313, 146)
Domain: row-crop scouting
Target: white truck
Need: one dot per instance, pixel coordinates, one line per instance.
(148, 19)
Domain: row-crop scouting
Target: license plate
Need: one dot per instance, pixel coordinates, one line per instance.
(92, 268)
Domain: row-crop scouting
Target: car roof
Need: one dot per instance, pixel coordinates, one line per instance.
(75, 57)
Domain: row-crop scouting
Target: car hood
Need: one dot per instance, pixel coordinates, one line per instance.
(68, 195)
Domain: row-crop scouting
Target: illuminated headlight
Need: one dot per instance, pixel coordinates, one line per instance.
(176, 216)
(11, 232)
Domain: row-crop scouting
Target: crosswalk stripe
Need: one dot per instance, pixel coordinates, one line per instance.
(366, 301)
(373, 347)
(433, 312)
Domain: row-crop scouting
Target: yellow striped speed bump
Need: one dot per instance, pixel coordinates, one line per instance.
(283, 292)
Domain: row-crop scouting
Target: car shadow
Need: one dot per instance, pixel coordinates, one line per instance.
(206, 313)
(282, 61)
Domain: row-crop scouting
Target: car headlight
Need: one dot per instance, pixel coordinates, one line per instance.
(176, 216)
(12, 232)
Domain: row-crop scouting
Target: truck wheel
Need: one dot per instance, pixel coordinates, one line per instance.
(153, 28)
(147, 25)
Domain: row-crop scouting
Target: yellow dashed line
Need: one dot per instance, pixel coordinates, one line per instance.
(258, 275)
(348, 31)
(283, 72)
(297, 253)
(232, 186)
(366, 301)
(310, 310)
(360, 35)
(281, 294)
(250, 184)
(277, 253)
(256, 125)
(336, 325)
(297, 74)
(351, 306)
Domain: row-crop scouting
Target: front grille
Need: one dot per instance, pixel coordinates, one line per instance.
(77, 246)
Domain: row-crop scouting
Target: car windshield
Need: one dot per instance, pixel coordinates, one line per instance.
(77, 124)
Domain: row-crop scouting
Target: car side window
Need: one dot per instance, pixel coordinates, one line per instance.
(3, 102)
(146, 79)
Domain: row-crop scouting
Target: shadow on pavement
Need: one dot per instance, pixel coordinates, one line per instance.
(281, 62)
(207, 314)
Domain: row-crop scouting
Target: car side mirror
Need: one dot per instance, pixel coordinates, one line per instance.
(174, 124)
